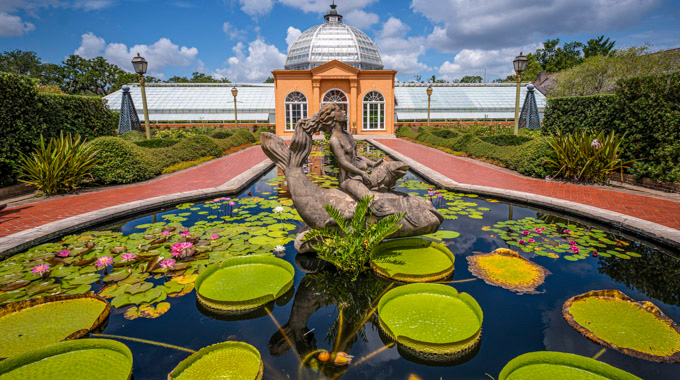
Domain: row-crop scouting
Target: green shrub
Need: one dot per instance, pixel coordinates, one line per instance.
(186, 164)
(156, 143)
(59, 166)
(245, 134)
(405, 131)
(25, 115)
(583, 156)
(133, 136)
(121, 161)
(188, 149)
(445, 133)
(646, 109)
(505, 140)
(260, 130)
(221, 134)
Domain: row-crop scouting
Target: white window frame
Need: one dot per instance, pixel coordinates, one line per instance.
(373, 104)
(345, 102)
(292, 106)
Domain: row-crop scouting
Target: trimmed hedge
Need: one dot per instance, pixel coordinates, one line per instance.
(505, 140)
(527, 158)
(25, 114)
(122, 161)
(221, 134)
(156, 143)
(647, 109)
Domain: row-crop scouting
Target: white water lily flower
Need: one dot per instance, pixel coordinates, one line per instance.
(278, 209)
(279, 250)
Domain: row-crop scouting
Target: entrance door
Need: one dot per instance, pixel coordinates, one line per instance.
(338, 97)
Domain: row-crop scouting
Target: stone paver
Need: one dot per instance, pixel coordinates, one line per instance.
(657, 210)
(209, 175)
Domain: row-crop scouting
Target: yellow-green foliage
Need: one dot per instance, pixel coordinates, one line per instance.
(186, 164)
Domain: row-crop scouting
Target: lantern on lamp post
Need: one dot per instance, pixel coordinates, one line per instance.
(520, 64)
(429, 94)
(234, 91)
(140, 64)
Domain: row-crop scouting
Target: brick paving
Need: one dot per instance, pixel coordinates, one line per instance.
(209, 175)
(657, 210)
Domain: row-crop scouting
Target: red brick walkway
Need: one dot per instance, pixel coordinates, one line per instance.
(212, 174)
(661, 211)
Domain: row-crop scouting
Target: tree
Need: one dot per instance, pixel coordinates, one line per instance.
(20, 62)
(269, 80)
(598, 46)
(471, 79)
(197, 77)
(554, 58)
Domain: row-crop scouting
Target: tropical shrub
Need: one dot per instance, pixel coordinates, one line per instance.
(121, 161)
(582, 156)
(221, 134)
(156, 143)
(133, 136)
(60, 165)
(348, 246)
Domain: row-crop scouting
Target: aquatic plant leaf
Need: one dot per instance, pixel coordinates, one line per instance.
(23, 325)
(443, 234)
(560, 365)
(412, 260)
(641, 330)
(507, 269)
(228, 360)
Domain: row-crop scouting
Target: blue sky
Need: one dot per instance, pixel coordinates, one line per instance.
(244, 40)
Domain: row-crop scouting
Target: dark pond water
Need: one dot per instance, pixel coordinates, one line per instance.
(308, 315)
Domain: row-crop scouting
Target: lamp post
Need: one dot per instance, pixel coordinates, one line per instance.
(234, 91)
(429, 94)
(140, 64)
(520, 63)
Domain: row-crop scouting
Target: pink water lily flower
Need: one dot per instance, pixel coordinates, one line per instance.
(40, 269)
(542, 229)
(185, 233)
(165, 233)
(63, 253)
(182, 246)
(167, 263)
(430, 193)
(103, 261)
(525, 233)
(128, 256)
(439, 196)
(232, 203)
(572, 243)
(215, 236)
(521, 241)
(538, 230)
(532, 241)
(566, 231)
(574, 248)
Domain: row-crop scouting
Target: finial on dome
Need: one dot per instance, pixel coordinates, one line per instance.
(332, 16)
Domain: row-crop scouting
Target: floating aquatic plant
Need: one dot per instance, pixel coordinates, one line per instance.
(640, 329)
(412, 260)
(227, 360)
(507, 269)
(560, 365)
(38, 322)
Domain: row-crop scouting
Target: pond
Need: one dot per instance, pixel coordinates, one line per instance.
(326, 309)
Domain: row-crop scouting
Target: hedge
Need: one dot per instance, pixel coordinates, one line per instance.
(123, 161)
(25, 114)
(647, 109)
(156, 143)
(527, 158)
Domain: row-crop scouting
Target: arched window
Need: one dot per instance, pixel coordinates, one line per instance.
(338, 97)
(374, 111)
(296, 109)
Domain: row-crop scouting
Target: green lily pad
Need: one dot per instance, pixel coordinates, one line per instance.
(443, 234)
(507, 269)
(82, 359)
(431, 318)
(641, 330)
(37, 322)
(560, 365)
(244, 283)
(412, 260)
(227, 360)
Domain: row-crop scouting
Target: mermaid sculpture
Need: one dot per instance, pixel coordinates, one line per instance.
(354, 179)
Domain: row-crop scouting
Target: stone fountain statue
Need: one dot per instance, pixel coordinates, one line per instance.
(358, 176)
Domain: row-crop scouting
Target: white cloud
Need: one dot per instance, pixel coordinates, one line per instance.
(494, 24)
(232, 32)
(399, 52)
(90, 46)
(11, 25)
(498, 62)
(256, 66)
(256, 7)
(291, 35)
(361, 19)
(321, 6)
(91, 5)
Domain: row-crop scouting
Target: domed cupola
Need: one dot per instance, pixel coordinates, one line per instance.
(333, 40)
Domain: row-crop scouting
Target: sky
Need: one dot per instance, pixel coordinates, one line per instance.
(244, 40)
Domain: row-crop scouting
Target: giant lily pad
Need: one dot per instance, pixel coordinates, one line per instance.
(37, 322)
(614, 320)
(412, 260)
(559, 365)
(244, 283)
(227, 360)
(431, 318)
(82, 359)
(507, 269)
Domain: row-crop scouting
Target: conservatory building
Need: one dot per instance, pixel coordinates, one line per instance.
(328, 63)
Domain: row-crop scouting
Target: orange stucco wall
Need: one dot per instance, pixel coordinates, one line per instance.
(335, 75)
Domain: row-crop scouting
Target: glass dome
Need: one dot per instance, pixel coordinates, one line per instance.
(333, 40)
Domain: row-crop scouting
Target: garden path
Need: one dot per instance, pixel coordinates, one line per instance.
(209, 175)
(662, 211)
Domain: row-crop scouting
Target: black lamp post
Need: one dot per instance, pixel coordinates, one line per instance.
(140, 64)
(520, 64)
(234, 91)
